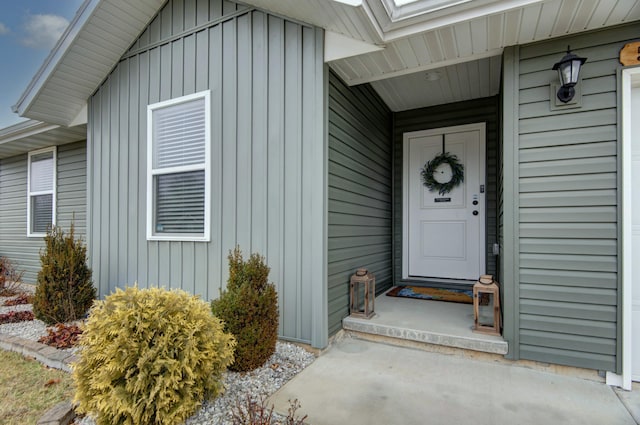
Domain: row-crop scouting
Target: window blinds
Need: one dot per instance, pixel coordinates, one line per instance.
(179, 148)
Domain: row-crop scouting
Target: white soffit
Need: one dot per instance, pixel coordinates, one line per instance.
(484, 36)
(382, 21)
(424, 15)
(96, 38)
(454, 83)
(31, 135)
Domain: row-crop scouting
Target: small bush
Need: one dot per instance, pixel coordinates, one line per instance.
(248, 411)
(65, 290)
(292, 418)
(10, 278)
(249, 308)
(62, 336)
(19, 300)
(16, 316)
(149, 356)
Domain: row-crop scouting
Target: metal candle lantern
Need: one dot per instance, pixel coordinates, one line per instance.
(362, 294)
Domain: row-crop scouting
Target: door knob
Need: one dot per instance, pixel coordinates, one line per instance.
(475, 213)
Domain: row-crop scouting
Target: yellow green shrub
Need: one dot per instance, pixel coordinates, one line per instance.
(150, 356)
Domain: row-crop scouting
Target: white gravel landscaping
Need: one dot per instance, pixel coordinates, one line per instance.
(288, 360)
(31, 330)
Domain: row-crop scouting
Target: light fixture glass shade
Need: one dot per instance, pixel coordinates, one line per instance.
(568, 71)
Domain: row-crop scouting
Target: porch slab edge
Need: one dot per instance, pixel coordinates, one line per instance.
(362, 326)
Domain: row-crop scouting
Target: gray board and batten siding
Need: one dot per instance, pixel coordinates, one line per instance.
(359, 192)
(452, 114)
(268, 156)
(71, 181)
(564, 250)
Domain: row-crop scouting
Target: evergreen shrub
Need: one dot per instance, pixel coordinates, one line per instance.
(149, 356)
(249, 309)
(65, 290)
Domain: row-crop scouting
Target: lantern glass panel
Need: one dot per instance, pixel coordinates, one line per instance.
(359, 296)
(575, 70)
(564, 72)
(486, 309)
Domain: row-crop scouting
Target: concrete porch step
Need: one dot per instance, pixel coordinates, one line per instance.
(365, 328)
(438, 323)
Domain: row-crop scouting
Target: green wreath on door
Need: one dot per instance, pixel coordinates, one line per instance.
(434, 174)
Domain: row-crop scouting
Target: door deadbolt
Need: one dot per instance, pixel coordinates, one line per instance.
(475, 213)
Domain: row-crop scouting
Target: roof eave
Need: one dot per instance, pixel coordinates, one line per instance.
(23, 129)
(31, 135)
(54, 58)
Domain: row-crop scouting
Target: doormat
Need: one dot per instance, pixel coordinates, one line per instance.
(436, 294)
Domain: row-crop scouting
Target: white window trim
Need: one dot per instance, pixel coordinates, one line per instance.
(52, 192)
(206, 236)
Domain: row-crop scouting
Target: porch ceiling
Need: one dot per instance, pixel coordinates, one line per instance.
(453, 83)
(463, 40)
(434, 46)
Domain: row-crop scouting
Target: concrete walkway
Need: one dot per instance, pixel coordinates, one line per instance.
(360, 382)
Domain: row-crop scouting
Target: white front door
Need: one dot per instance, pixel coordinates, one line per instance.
(444, 234)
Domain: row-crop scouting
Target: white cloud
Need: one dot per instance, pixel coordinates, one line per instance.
(42, 31)
(3, 29)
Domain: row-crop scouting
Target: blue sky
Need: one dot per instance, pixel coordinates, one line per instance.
(28, 31)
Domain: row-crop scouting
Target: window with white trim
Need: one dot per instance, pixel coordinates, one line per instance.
(178, 187)
(41, 191)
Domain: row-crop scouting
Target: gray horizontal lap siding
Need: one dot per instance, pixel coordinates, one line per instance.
(265, 75)
(71, 181)
(568, 207)
(453, 114)
(359, 221)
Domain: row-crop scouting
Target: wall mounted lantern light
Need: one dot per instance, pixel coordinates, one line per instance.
(569, 70)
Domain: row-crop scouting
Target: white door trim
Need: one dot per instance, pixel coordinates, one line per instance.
(624, 380)
(481, 127)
